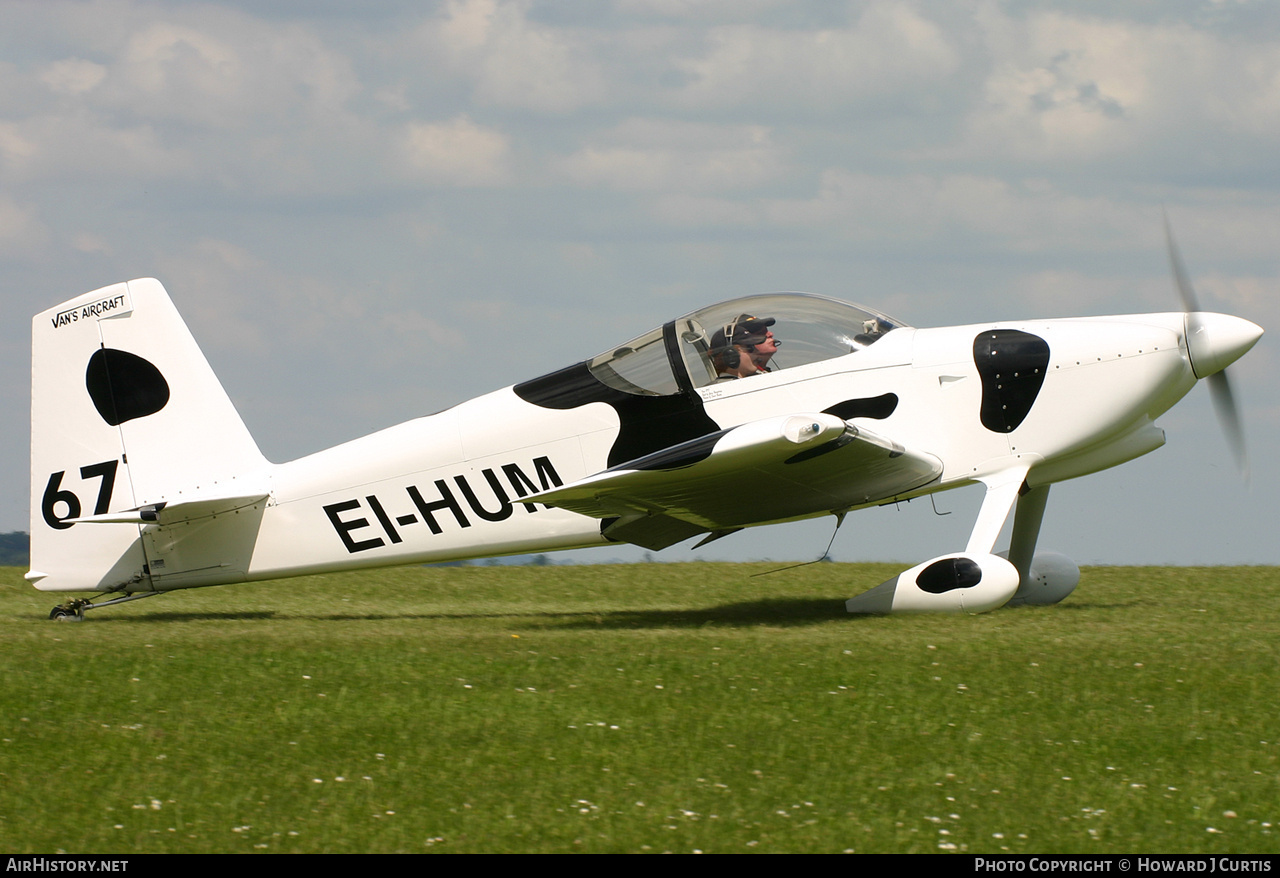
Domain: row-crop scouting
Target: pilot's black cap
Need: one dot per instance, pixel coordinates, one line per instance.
(743, 329)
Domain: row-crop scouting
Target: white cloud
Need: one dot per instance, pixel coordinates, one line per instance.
(691, 211)
(226, 71)
(20, 229)
(73, 76)
(17, 147)
(948, 210)
(87, 242)
(660, 155)
(512, 61)
(456, 153)
(1069, 88)
(202, 93)
(77, 145)
(891, 49)
(698, 10)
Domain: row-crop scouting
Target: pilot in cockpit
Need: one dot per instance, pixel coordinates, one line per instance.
(743, 347)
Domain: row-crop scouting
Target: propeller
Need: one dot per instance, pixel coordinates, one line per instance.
(1214, 341)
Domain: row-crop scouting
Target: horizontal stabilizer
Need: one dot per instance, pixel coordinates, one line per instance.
(776, 469)
(175, 513)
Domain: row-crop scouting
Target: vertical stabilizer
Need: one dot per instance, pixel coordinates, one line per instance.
(126, 415)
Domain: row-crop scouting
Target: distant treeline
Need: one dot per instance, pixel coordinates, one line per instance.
(15, 549)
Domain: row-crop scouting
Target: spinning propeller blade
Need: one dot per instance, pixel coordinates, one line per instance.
(1213, 342)
(1186, 292)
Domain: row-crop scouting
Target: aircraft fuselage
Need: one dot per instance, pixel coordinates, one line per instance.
(449, 486)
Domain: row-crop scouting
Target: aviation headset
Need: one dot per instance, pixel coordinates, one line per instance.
(743, 331)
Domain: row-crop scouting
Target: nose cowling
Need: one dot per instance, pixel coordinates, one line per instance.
(1215, 341)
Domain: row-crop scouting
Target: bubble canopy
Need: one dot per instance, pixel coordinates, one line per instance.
(676, 357)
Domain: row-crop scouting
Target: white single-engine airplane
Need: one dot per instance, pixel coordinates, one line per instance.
(759, 410)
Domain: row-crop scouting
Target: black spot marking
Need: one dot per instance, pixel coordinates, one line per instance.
(678, 456)
(649, 424)
(1012, 366)
(124, 386)
(878, 407)
(949, 574)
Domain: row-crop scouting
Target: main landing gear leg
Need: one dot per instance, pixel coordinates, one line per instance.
(74, 610)
(1026, 530)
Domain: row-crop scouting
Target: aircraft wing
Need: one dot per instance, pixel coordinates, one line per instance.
(769, 470)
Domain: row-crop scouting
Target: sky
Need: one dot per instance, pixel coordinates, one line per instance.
(369, 212)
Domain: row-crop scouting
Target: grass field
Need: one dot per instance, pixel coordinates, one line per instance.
(645, 707)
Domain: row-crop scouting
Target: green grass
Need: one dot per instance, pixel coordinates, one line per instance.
(663, 707)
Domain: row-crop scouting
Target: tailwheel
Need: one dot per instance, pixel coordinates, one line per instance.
(71, 611)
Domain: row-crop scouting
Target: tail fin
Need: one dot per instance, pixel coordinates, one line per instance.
(127, 419)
